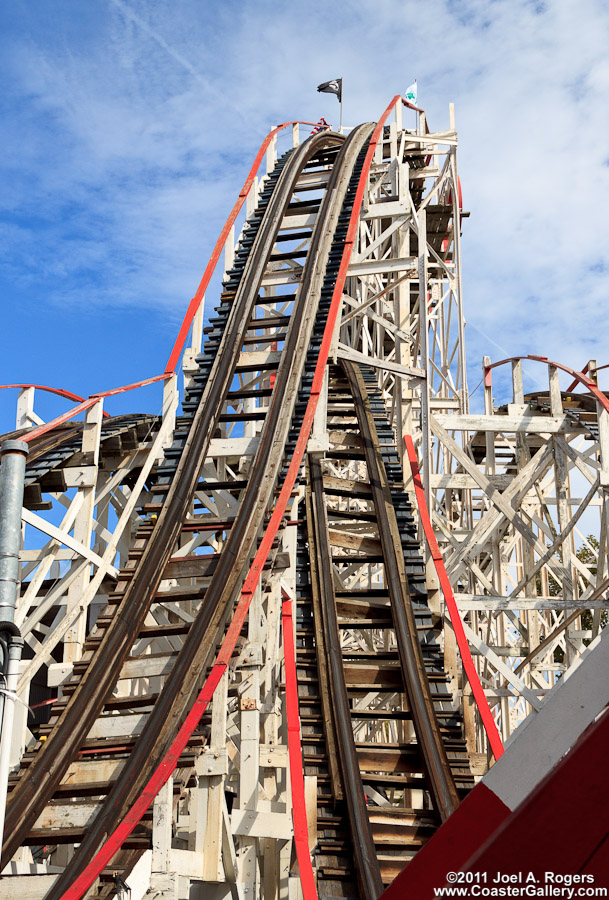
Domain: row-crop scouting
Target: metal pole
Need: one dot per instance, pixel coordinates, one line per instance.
(12, 477)
(10, 698)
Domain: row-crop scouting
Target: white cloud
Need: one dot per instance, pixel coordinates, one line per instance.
(130, 131)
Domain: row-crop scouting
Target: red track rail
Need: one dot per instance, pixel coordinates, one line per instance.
(86, 404)
(61, 392)
(65, 417)
(299, 809)
(468, 663)
(215, 256)
(188, 318)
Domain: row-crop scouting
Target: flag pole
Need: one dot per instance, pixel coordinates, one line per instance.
(340, 127)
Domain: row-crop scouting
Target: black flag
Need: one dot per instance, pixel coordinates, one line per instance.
(332, 87)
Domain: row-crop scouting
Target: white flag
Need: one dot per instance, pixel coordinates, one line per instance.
(411, 93)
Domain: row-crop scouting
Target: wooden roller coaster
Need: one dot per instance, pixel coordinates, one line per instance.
(269, 644)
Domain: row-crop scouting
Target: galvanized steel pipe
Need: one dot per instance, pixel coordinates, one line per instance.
(10, 698)
(12, 477)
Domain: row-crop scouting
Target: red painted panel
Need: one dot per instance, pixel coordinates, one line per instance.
(562, 822)
(451, 846)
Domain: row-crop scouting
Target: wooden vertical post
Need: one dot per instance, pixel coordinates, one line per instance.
(170, 406)
(249, 704)
(402, 316)
(271, 154)
(83, 529)
(423, 344)
(252, 197)
(162, 818)
(25, 409)
(398, 115)
(229, 250)
(457, 279)
(211, 788)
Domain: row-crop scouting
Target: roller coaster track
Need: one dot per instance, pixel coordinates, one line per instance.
(116, 632)
(363, 518)
(286, 476)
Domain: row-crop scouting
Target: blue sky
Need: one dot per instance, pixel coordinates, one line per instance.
(129, 126)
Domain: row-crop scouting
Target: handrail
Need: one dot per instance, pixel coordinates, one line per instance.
(192, 308)
(577, 376)
(468, 663)
(168, 763)
(203, 284)
(299, 808)
(215, 256)
(133, 386)
(86, 404)
(61, 392)
(65, 417)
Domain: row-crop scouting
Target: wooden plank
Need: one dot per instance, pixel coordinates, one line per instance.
(373, 674)
(383, 210)
(237, 446)
(66, 815)
(274, 755)
(346, 486)
(87, 771)
(258, 358)
(310, 787)
(261, 824)
(351, 541)
(80, 476)
(345, 440)
(467, 602)
(383, 266)
(148, 666)
(117, 726)
(302, 221)
(362, 608)
(388, 760)
(282, 276)
(26, 887)
(345, 352)
(520, 424)
(461, 480)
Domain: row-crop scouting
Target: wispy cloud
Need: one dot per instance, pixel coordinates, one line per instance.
(129, 126)
(177, 57)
